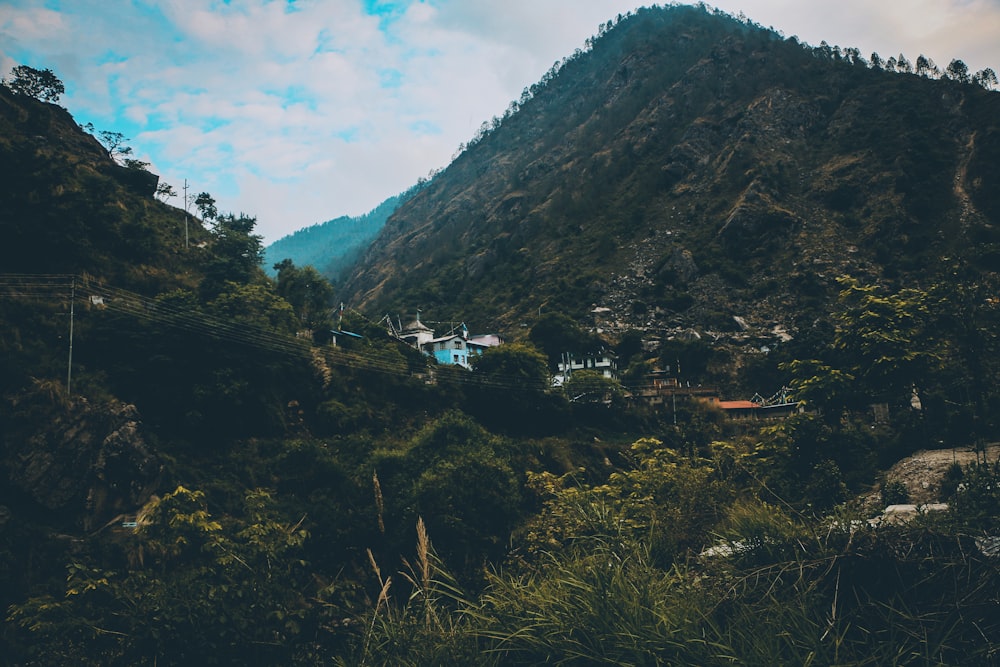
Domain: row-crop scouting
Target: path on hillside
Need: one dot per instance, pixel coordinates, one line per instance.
(923, 471)
(968, 209)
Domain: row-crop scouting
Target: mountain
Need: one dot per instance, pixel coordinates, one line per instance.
(333, 246)
(692, 170)
(67, 207)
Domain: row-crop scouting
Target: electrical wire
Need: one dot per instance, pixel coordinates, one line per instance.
(102, 297)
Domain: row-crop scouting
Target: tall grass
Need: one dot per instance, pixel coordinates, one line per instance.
(787, 589)
(603, 603)
(425, 625)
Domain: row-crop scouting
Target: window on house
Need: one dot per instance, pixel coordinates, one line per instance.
(458, 345)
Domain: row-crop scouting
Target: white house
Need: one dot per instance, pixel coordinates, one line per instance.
(604, 362)
(416, 333)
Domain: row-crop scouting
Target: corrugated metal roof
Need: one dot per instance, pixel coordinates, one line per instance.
(738, 405)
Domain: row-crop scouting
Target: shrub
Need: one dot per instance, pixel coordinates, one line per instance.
(894, 492)
(976, 503)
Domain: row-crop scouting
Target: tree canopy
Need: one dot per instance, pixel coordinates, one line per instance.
(42, 84)
(308, 292)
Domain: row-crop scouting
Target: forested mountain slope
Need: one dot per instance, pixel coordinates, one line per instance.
(333, 246)
(689, 167)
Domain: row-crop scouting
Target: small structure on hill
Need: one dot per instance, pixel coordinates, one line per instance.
(778, 406)
(456, 348)
(415, 334)
(604, 362)
(660, 387)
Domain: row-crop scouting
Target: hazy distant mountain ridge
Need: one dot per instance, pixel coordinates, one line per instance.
(332, 246)
(690, 168)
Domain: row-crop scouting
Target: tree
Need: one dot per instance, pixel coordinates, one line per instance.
(206, 206)
(926, 67)
(986, 78)
(165, 191)
(308, 292)
(590, 386)
(255, 305)
(818, 386)
(663, 499)
(891, 342)
(877, 62)
(853, 55)
(42, 84)
(138, 165)
(629, 346)
(556, 334)
(189, 589)
(114, 143)
(970, 326)
(462, 484)
(958, 71)
(903, 65)
(515, 367)
(237, 253)
(509, 390)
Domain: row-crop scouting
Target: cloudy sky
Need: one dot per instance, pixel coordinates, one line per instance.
(298, 111)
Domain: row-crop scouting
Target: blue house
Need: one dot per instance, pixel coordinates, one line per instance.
(459, 348)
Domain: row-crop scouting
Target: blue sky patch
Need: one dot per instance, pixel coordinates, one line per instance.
(390, 78)
(425, 128)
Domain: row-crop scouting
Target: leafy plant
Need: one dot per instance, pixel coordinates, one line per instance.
(894, 492)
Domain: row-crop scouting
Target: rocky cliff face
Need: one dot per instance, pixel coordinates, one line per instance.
(87, 461)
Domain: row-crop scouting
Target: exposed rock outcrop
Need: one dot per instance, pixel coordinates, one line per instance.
(90, 460)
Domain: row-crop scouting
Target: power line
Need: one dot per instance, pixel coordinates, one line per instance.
(101, 296)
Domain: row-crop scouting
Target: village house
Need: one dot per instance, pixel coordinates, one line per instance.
(779, 406)
(456, 348)
(459, 348)
(604, 362)
(657, 387)
(415, 334)
(739, 409)
(661, 389)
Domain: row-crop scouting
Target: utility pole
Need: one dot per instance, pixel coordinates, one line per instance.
(185, 214)
(674, 394)
(69, 365)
